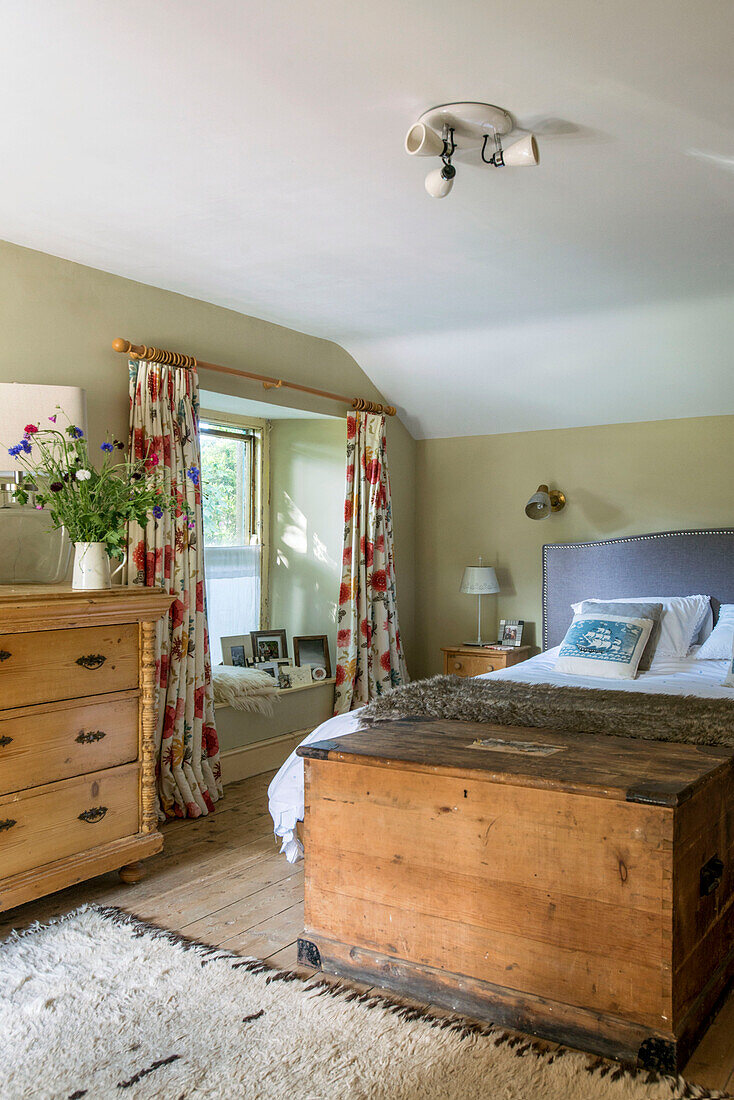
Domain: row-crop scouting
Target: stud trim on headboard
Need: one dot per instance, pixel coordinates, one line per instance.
(653, 537)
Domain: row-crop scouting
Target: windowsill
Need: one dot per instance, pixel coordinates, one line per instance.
(307, 687)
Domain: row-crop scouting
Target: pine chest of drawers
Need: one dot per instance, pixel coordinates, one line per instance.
(77, 736)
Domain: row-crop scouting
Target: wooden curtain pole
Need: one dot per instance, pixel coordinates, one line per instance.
(176, 359)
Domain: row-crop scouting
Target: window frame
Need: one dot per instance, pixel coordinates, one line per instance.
(235, 420)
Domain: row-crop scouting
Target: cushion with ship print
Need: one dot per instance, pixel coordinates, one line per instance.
(605, 646)
(637, 610)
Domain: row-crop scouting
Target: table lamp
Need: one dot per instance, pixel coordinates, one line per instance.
(24, 403)
(479, 580)
(31, 550)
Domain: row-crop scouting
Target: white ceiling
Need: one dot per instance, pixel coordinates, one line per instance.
(251, 154)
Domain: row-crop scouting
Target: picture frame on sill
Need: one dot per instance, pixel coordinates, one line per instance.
(511, 632)
(313, 650)
(237, 651)
(271, 667)
(293, 676)
(269, 645)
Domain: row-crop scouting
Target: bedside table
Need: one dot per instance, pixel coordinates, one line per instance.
(472, 660)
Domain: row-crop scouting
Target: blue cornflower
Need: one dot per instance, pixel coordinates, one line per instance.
(193, 474)
(107, 447)
(15, 451)
(25, 445)
(157, 511)
(74, 432)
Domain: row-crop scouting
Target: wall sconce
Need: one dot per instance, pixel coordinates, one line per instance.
(543, 502)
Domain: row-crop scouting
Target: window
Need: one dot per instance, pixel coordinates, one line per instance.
(234, 546)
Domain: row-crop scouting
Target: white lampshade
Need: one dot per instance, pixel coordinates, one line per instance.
(539, 505)
(422, 141)
(479, 580)
(437, 185)
(22, 403)
(522, 153)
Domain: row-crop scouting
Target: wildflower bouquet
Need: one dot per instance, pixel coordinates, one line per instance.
(94, 505)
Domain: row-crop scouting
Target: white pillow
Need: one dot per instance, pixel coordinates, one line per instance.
(720, 642)
(729, 680)
(606, 646)
(707, 628)
(680, 622)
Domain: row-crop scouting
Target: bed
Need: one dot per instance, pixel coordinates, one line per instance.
(567, 871)
(551, 871)
(669, 563)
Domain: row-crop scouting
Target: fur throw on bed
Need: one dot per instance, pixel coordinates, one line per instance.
(682, 718)
(243, 689)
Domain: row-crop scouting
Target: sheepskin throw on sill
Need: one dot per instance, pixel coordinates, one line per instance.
(680, 718)
(243, 689)
(100, 1005)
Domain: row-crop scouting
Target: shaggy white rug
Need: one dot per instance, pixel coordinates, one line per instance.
(99, 1005)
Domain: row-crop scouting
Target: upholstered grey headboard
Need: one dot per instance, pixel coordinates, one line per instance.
(668, 563)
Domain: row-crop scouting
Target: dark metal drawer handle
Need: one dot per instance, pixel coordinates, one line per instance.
(93, 815)
(87, 738)
(92, 660)
(5, 741)
(7, 824)
(4, 654)
(711, 875)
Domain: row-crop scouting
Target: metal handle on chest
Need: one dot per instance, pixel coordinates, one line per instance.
(711, 874)
(4, 654)
(89, 737)
(7, 824)
(92, 816)
(91, 660)
(5, 741)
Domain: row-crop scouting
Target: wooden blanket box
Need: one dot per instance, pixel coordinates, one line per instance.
(574, 887)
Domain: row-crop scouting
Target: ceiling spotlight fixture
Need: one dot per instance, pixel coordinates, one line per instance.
(453, 127)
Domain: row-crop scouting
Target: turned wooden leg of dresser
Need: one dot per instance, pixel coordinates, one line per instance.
(132, 872)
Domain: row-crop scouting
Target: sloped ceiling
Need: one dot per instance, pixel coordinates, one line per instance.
(251, 154)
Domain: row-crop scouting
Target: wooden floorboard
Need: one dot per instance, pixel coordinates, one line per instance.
(221, 880)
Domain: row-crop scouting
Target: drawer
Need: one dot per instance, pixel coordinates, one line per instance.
(62, 819)
(40, 745)
(460, 665)
(46, 665)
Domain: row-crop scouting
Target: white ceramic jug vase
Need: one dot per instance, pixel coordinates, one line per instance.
(92, 566)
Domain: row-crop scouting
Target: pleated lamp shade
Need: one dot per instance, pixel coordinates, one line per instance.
(479, 580)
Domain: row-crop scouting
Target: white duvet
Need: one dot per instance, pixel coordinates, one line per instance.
(667, 676)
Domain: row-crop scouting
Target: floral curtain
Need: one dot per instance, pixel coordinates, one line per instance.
(164, 426)
(369, 652)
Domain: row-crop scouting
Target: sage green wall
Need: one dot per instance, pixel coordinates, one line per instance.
(619, 479)
(58, 320)
(307, 459)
